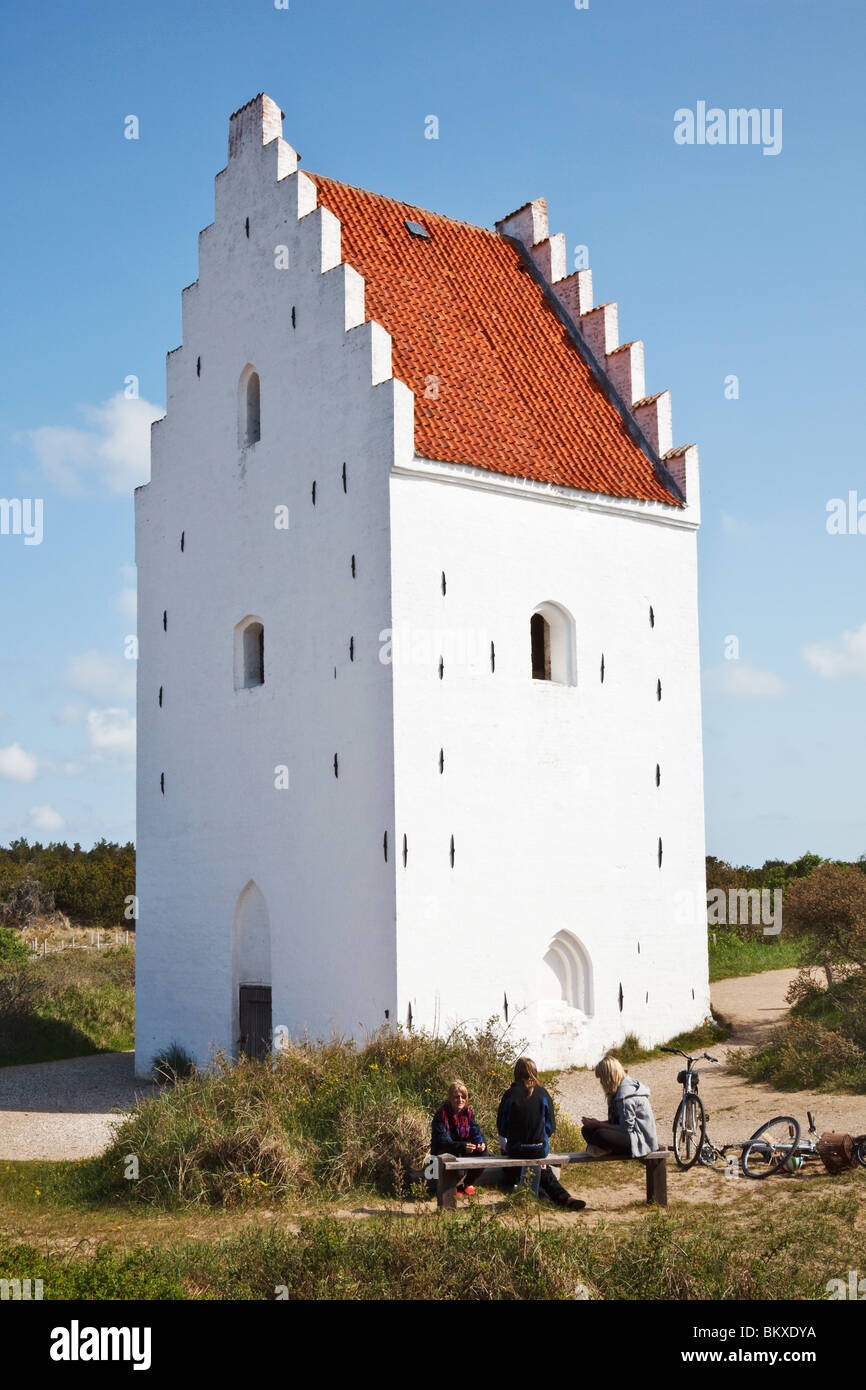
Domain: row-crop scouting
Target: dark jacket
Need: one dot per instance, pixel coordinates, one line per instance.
(526, 1121)
(447, 1138)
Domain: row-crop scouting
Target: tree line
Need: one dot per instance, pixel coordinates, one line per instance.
(90, 886)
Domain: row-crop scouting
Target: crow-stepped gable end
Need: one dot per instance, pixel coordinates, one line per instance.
(401, 744)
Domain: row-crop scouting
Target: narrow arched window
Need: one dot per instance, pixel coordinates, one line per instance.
(249, 408)
(249, 654)
(552, 645)
(539, 632)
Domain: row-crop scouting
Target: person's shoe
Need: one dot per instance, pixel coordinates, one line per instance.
(595, 1151)
(469, 1191)
(575, 1204)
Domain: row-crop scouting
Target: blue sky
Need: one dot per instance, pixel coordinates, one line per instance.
(726, 261)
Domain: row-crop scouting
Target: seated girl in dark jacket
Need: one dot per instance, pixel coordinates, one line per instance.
(525, 1122)
(455, 1130)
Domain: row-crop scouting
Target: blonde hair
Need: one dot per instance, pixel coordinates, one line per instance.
(610, 1072)
(458, 1088)
(526, 1071)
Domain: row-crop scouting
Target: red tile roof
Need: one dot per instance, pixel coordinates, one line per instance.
(515, 395)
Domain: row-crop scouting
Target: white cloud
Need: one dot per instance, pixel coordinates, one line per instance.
(111, 730)
(103, 677)
(46, 818)
(738, 678)
(126, 602)
(17, 765)
(843, 656)
(74, 769)
(69, 714)
(114, 447)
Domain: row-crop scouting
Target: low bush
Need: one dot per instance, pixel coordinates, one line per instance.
(821, 1046)
(12, 946)
(173, 1065)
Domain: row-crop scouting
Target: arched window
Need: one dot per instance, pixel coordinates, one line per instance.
(570, 968)
(249, 408)
(249, 654)
(539, 632)
(552, 645)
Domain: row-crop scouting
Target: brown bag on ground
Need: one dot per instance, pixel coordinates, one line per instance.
(836, 1152)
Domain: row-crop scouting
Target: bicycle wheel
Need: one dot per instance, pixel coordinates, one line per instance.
(861, 1151)
(770, 1147)
(690, 1131)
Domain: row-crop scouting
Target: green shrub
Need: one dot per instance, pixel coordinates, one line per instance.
(172, 1065)
(822, 1046)
(12, 946)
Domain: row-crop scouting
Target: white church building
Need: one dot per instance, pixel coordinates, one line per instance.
(418, 685)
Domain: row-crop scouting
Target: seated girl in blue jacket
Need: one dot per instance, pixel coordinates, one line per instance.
(455, 1130)
(525, 1122)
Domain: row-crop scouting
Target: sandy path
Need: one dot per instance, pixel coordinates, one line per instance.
(53, 1110)
(753, 1004)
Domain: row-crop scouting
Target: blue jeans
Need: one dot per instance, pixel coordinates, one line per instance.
(549, 1184)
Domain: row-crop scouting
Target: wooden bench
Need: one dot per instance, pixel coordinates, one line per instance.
(449, 1169)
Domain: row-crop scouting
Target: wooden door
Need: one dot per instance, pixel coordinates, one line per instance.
(255, 1020)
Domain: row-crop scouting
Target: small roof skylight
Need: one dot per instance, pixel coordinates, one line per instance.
(417, 229)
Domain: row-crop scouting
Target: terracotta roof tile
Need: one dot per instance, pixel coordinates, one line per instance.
(515, 395)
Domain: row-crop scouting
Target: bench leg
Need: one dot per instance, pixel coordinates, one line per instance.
(657, 1182)
(446, 1187)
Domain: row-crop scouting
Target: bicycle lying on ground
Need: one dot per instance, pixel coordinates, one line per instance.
(775, 1147)
(778, 1146)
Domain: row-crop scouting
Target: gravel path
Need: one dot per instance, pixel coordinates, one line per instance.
(54, 1110)
(753, 1004)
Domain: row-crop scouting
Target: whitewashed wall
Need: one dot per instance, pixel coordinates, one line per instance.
(549, 790)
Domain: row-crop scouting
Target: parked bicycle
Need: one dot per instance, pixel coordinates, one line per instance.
(690, 1121)
(775, 1147)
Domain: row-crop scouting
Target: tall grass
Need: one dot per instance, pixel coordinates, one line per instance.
(328, 1115)
(488, 1253)
(732, 955)
(631, 1049)
(68, 1004)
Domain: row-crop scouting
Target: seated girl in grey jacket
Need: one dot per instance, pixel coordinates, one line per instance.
(630, 1127)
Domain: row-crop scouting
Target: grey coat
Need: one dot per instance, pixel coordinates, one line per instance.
(629, 1109)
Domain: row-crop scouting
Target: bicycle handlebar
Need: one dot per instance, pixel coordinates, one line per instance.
(678, 1052)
